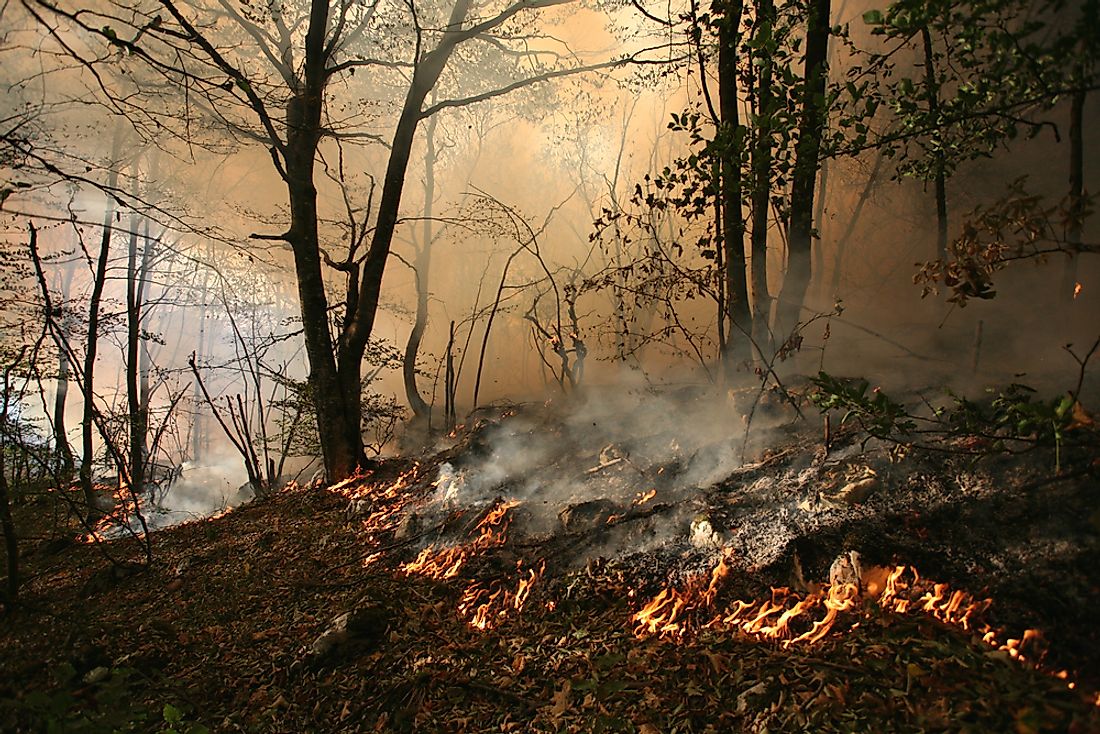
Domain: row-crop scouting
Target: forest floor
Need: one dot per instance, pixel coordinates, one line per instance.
(226, 631)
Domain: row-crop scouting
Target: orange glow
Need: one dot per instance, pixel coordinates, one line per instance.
(125, 506)
(447, 562)
(1077, 288)
(641, 498)
(675, 611)
(663, 614)
(485, 606)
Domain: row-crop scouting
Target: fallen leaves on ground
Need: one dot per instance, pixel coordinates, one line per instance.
(217, 633)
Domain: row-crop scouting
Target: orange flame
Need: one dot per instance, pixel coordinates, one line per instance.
(663, 613)
(484, 606)
(672, 612)
(447, 562)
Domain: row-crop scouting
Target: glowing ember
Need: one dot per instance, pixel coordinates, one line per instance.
(641, 498)
(1077, 288)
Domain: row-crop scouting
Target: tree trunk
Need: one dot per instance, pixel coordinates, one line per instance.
(146, 358)
(1076, 193)
(67, 464)
(931, 90)
(87, 423)
(337, 403)
(11, 542)
(422, 266)
(360, 321)
(133, 356)
(817, 274)
(733, 220)
(761, 176)
(807, 161)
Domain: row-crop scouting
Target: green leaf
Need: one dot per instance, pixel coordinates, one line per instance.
(172, 714)
(873, 17)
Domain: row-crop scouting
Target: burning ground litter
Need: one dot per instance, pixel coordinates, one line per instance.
(478, 591)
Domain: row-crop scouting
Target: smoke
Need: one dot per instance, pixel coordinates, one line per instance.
(201, 490)
(623, 450)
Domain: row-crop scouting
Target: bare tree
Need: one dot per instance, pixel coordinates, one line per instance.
(288, 106)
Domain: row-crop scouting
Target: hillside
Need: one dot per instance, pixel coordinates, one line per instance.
(480, 597)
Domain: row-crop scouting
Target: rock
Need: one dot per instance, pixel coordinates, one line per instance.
(351, 632)
(409, 525)
(704, 535)
(96, 675)
(846, 569)
(359, 509)
(743, 698)
(858, 492)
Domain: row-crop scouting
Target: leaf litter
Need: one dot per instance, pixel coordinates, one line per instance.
(225, 626)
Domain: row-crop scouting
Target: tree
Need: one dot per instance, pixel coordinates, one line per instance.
(732, 136)
(288, 104)
(806, 166)
(961, 109)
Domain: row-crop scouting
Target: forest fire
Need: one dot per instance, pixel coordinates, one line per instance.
(381, 505)
(484, 606)
(124, 505)
(445, 563)
(673, 612)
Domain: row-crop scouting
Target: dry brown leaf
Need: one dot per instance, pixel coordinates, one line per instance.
(561, 701)
(1080, 418)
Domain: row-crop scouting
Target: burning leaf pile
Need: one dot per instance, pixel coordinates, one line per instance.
(445, 563)
(483, 606)
(675, 612)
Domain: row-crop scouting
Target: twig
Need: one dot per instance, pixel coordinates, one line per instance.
(1082, 363)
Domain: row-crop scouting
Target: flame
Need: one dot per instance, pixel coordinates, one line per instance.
(447, 562)
(841, 598)
(355, 488)
(674, 611)
(663, 614)
(640, 499)
(1077, 288)
(387, 503)
(484, 606)
(125, 506)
